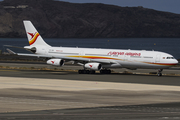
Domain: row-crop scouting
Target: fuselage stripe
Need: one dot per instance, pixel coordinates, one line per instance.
(100, 57)
(95, 57)
(164, 64)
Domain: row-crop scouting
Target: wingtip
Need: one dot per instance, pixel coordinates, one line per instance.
(25, 21)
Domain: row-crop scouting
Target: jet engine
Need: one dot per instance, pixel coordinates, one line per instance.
(55, 62)
(93, 66)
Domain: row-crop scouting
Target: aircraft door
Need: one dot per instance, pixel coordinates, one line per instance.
(81, 53)
(126, 57)
(157, 58)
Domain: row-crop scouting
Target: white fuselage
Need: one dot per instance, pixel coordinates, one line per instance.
(113, 58)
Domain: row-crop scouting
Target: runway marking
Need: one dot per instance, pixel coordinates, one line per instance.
(142, 109)
(10, 70)
(49, 102)
(53, 104)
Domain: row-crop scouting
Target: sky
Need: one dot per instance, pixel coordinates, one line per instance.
(161, 5)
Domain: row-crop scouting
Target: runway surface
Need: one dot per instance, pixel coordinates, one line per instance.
(33, 94)
(35, 98)
(114, 77)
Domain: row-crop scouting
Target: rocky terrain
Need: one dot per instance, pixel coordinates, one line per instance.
(56, 19)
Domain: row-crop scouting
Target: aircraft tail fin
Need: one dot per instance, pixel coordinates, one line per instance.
(34, 37)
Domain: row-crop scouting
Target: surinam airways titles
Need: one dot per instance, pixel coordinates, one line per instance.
(123, 53)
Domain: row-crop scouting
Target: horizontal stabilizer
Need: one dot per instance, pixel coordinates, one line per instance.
(10, 51)
(34, 55)
(14, 46)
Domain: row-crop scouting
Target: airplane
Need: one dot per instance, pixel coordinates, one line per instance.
(94, 60)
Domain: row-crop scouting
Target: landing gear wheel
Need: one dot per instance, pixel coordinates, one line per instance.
(109, 71)
(102, 71)
(80, 71)
(105, 71)
(92, 71)
(159, 74)
(86, 72)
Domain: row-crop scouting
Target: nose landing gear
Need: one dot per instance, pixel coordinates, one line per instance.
(159, 74)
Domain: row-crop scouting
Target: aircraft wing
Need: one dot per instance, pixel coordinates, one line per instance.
(69, 58)
(63, 57)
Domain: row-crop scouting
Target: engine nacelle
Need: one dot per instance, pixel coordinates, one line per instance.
(55, 62)
(93, 66)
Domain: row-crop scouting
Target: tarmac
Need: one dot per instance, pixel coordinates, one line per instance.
(65, 94)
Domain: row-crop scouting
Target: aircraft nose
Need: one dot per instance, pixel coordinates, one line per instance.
(176, 61)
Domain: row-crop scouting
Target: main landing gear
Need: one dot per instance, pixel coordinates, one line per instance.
(159, 72)
(104, 71)
(86, 71)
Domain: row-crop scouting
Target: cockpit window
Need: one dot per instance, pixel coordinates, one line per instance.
(170, 58)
